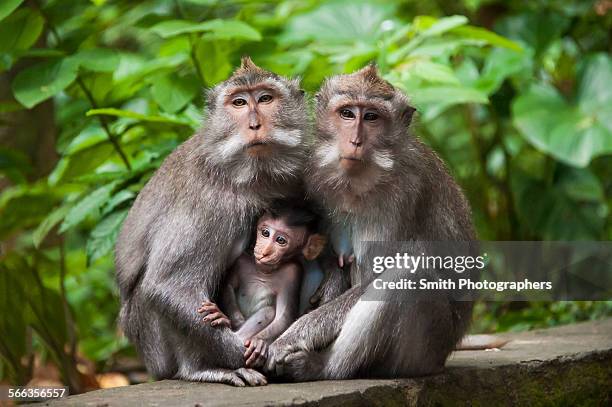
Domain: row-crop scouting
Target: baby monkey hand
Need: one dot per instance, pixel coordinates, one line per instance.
(256, 352)
(213, 314)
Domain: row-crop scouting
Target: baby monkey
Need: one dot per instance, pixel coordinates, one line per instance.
(261, 293)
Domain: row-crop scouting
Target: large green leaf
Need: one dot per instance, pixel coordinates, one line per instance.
(217, 29)
(44, 80)
(338, 23)
(534, 29)
(20, 30)
(98, 59)
(173, 92)
(430, 27)
(8, 6)
(89, 205)
(214, 60)
(573, 133)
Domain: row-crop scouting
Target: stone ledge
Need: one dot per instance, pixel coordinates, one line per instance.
(570, 365)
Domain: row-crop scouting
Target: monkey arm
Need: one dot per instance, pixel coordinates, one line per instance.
(174, 286)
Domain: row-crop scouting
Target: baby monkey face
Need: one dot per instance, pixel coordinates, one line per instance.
(277, 242)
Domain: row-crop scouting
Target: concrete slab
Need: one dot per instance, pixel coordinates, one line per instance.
(569, 365)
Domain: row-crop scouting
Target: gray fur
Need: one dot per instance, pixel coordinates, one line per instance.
(188, 225)
(407, 194)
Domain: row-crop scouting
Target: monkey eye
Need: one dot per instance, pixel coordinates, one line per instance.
(370, 117)
(347, 114)
(239, 102)
(265, 232)
(265, 99)
(281, 240)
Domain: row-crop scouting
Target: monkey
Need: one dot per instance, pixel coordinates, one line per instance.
(378, 182)
(261, 294)
(194, 218)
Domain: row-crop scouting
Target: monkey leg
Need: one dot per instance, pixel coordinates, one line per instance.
(240, 377)
(257, 322)
(313, 331)
(380, 339)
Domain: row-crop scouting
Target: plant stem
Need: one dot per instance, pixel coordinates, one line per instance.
(109, 134)
(111, 137)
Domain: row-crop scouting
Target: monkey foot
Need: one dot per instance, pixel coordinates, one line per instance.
(301, 366)
(245, 377)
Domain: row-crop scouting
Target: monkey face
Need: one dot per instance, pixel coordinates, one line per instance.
(359, 130)
(253, 110)
(362, 127)
(277, 242)
(255, 123)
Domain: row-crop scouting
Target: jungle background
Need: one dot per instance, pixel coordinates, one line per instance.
(515, 96)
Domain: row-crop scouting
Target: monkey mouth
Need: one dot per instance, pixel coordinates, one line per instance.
(259, 148)
(351, 158)
(257, 144)
(265, 263)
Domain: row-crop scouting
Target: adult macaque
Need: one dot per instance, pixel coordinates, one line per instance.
(262, 291)
(194, 218)
(378, 183)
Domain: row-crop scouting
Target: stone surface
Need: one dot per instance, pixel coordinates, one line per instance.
(570, 365)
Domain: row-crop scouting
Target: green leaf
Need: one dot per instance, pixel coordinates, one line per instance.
(433, 72)
(214, 60)
(431, 27)
(133, 115)
(87, 206)
(44, 80)
(595, 90)
(218, 29)
(173, 92)
(103, 237)
(500, 64)
(346, 23)
(97, 59)
(49, 223)
(574, 134)
(448, 95)
(479, 33)
(581, 184)
(7, 7)
(20, 30)
(230, 30)
(120, 197)
(535, 29)
(88, 137)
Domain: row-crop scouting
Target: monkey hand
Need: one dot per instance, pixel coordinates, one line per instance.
(277, 352)
(256, 352)
(213, 314)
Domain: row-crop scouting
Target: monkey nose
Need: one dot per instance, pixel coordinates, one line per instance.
(255, 126)
(356, 143)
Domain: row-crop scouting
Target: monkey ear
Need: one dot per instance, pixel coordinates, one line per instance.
(407, 114)
(314, 246)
